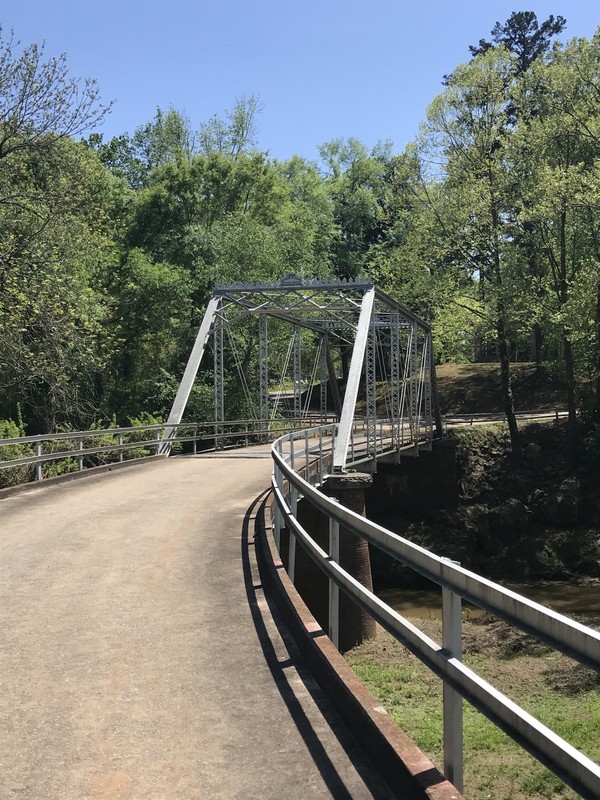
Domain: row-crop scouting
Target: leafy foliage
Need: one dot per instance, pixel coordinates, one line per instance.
(487, 226)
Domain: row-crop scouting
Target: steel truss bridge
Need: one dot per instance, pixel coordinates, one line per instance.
(390, 357)
(390, 347)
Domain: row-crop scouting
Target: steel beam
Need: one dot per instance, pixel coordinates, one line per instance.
(219, 380)
(427, 388)
(263, 335)
(297, 373)
(413, 381)
(333, 384)
(370, 391)
(189, 376)
(395, 377)
(358, 356)
(322, 379)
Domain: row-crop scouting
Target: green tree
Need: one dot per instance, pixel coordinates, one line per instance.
(557, 141)
(164, 140)
(40, 104)
(149, 319)
(306, 225)
(54, 244)
(523, 36)
(466, 133)
(354, 178)
(234, 135)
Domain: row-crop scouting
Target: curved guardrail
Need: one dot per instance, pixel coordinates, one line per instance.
(296, 474)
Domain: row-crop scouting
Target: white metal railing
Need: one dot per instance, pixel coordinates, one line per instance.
(540, 415)
(93, 447)
(296, 474)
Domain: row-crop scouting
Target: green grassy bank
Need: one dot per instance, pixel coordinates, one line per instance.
(560, 693)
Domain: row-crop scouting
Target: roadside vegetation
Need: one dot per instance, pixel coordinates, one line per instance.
(560, 693)
(487, 225)
(537, 522)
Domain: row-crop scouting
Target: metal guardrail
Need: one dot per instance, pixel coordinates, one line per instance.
(203, 436)
(540, 415)
(576, 640)
(89, 452)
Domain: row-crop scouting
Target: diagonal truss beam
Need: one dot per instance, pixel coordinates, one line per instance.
(342, 440)
(185, 387)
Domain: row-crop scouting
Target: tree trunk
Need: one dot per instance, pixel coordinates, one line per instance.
(538, 343)
(597, 398)
(571, 407)
(435, 400)
(509, 408)
(567, 346)
(501, 329)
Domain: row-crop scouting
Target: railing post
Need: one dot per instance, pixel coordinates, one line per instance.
(334, 590)
(276, 512)
(453, 711)
(120, 443)
(80, 459)
(195, 442)
(278, 527)
(320, 455)
(292, 544)
(38, 466)
(159, 439)
(279, 515)
(307, 476)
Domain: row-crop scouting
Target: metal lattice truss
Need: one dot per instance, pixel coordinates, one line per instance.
(390, 354)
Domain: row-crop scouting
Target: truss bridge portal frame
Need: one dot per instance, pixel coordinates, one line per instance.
(389, 346)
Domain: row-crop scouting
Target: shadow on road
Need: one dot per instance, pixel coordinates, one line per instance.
(329, 772)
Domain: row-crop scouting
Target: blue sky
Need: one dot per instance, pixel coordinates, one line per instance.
(322, 68)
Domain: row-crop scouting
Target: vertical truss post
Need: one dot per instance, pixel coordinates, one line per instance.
(263, 336)
(322, 379)
(219, 386)
(427, 393)
(333, 384)
(297, 373)
(395, 377)
(371, 390)
(342, 440)
(413, 380)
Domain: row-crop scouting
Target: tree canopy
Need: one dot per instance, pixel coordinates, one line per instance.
(487, 224)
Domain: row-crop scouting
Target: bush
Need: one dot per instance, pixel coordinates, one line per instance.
(13, 476)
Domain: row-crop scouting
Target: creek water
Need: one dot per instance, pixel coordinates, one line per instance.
(565, 598)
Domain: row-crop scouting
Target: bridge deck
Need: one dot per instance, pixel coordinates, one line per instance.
(139, 658)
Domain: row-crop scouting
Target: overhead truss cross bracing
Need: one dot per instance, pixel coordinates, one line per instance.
(345, 334)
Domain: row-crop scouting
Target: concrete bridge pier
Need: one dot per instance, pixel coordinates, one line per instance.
(355, 625)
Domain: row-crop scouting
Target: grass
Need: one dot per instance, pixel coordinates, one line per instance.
(560, 694)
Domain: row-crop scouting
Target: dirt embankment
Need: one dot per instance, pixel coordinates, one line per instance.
(476, 389)
(535, 521)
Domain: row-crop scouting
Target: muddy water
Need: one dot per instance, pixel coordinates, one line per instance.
(562, 597)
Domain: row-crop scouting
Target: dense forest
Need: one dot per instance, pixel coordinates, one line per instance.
(488, 225)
